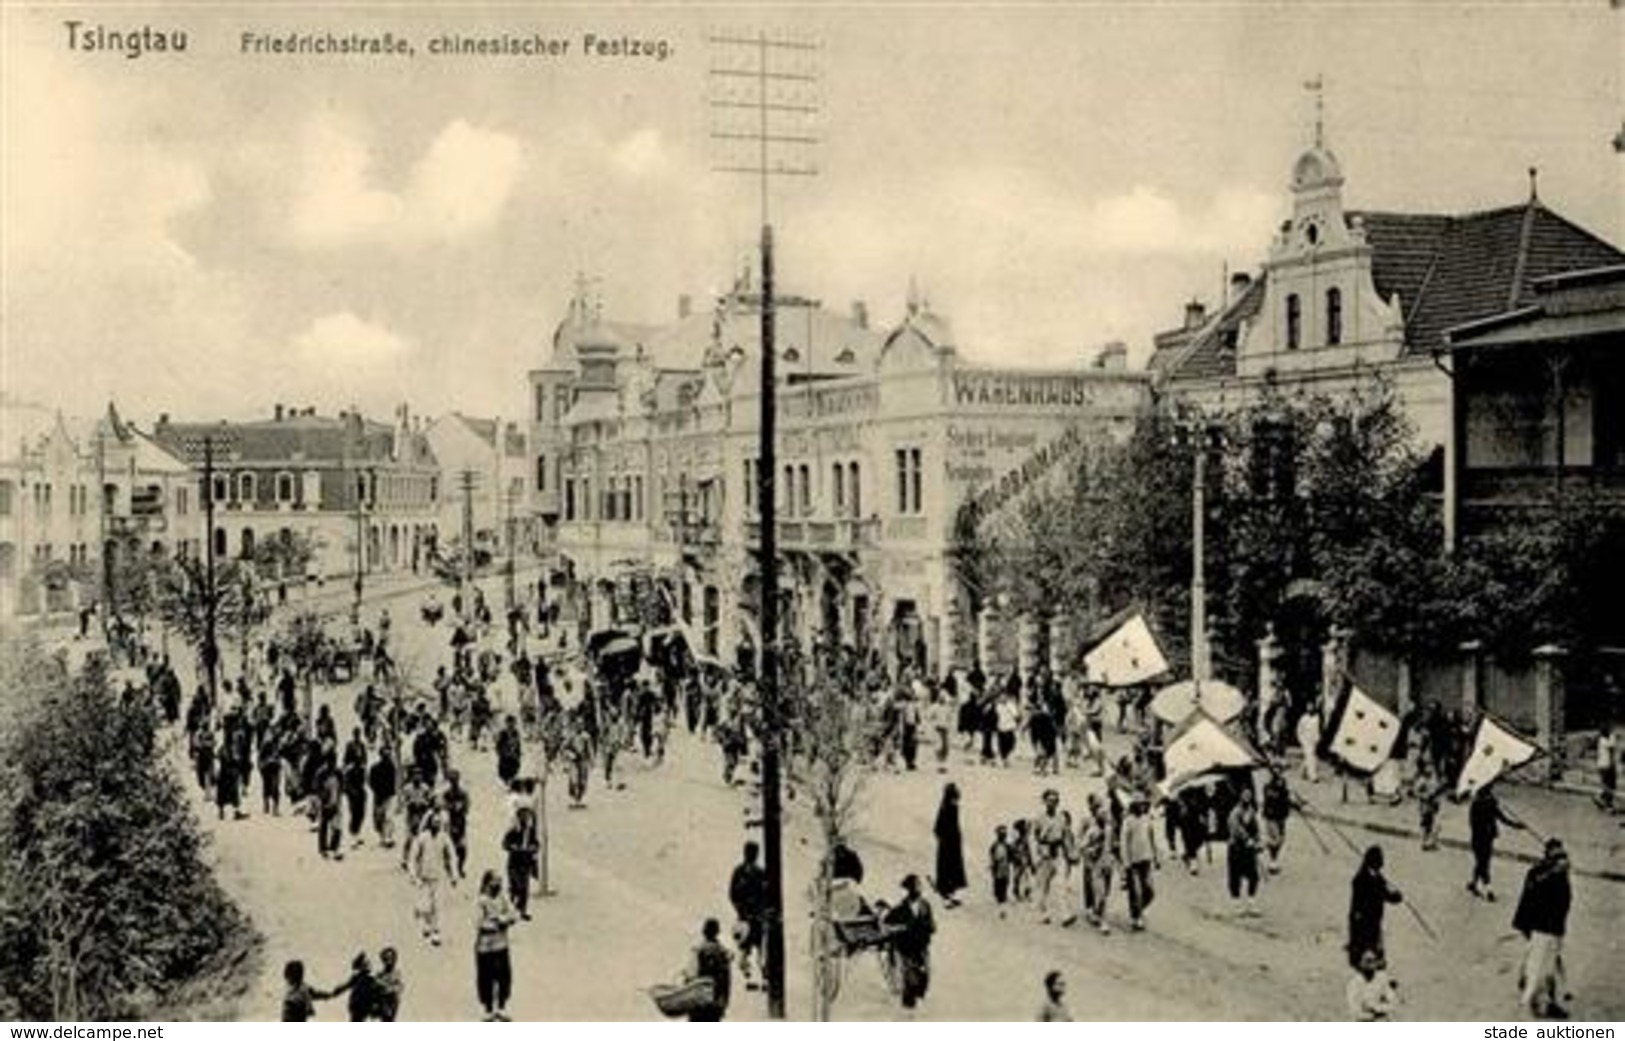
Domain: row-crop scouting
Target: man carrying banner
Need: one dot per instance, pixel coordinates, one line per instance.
(1484, 818)
(1495, 750)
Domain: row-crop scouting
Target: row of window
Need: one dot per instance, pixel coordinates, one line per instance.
(1334, 319)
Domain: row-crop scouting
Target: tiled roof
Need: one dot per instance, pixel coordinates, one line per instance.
(1211, 354)
(1450, 270)
(268, 441)
(1447, 270)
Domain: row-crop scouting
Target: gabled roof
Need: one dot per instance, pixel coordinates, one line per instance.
(1451, 270)
(303, 437)
(1447, 271)
(1211, 353)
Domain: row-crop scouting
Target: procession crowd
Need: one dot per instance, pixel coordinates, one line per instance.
(539, 695)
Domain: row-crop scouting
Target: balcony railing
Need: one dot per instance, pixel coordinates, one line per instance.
(826, 536)
(1526, 487)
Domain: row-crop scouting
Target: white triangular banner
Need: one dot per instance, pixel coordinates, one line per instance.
(1128, 656)
(1202, 747)
(1495, 751)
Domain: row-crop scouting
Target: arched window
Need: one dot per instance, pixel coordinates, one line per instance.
(1334, 316)
(1294, 321)
(245, 488)
(854, 489)
(837, 488)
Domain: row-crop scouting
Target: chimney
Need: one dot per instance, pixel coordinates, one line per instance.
(860, 314)
(1112, 357)
(163, 421)
(278, 412)
(1195, 314)
(1240, 282)
(685, 306)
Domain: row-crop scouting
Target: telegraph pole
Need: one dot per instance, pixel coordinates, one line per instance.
(508, 530)
(466, 480)
(106, 550)
(759, 85)
(211, 649)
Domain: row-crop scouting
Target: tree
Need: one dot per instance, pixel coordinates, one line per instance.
(829, 731)
(285, 555)
(305, 643)
(107, 907)
(184, 599)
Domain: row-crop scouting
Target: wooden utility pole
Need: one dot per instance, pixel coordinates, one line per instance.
(759, 83)
(211, 647)
(467, 480)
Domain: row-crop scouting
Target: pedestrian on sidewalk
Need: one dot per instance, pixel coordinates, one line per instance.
(1277, 807)
(950, 876)
(510, 751)
(1192, 801)
(355, 795)
(381, 781)
(1000, 867)
(940, 720)
(711, 962)
(1241, 854)
(1371, 995)
(1097, 857)
(493, 966)
(299, 999)
(1542, 917)
(362, 988)
(390, 985)
(1607, 767)
(1054, 1009)
(433, 865)
(912, 944)
(1139, 844)
(454, 802)
(747, 892)
(417, 799)
(1484, 820)
(1429, 791)
(523, 849)
(1051, 830)
(1369, 896)
(270, 760)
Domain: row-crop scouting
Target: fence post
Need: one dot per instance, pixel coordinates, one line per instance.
(1472, 673)
(1550, 687)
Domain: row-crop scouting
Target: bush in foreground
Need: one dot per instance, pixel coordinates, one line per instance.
(107, 908)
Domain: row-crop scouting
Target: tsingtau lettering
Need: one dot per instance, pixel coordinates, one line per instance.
(130, 42)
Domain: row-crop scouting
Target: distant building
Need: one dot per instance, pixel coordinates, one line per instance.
(344, 481)
(73, 494)
(645, 456)
(494, 456)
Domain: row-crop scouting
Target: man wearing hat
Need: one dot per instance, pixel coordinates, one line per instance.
(912, 944)
(1542, 917)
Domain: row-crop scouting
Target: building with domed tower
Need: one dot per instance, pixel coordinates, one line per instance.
(645, 445)
(1345, 293)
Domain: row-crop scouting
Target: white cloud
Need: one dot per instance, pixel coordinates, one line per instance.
(343, 340)
(460, 185)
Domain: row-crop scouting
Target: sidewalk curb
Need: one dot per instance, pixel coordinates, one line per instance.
(1399, 831)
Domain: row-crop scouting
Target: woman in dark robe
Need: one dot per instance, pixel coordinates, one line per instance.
(950, 877)
(1369, 894)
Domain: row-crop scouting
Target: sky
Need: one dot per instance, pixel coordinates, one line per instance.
(209, 233)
